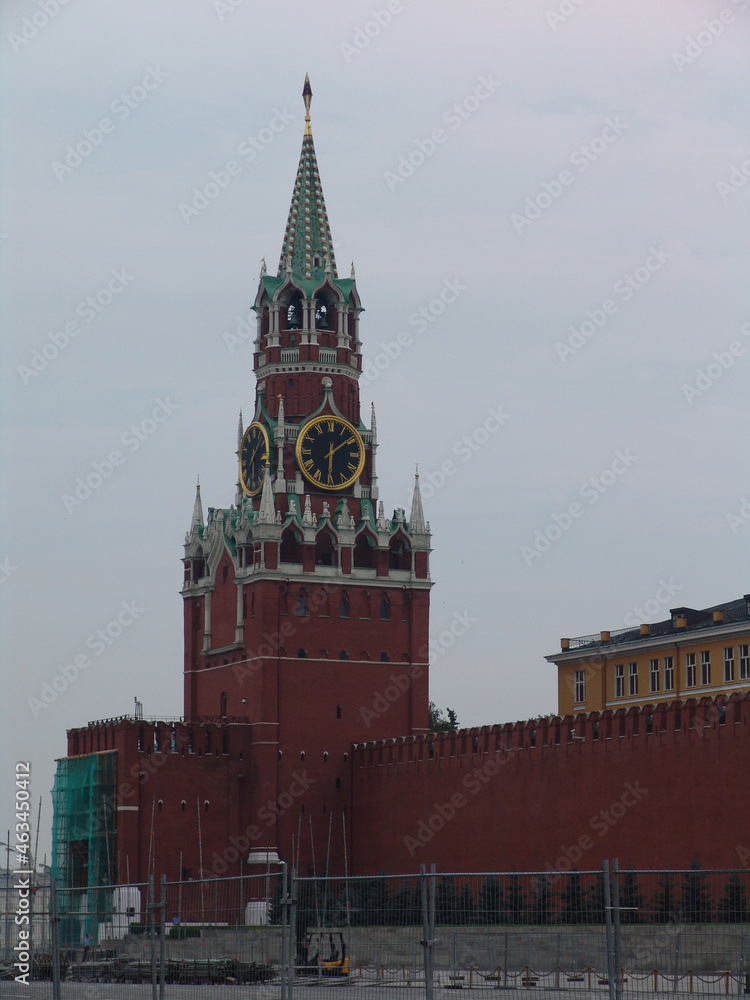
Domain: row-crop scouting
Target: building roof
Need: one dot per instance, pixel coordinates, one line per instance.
(695, 621)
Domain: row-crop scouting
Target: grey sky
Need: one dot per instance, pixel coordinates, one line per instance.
(605, 132)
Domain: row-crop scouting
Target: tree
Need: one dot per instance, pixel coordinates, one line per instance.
(573, 900)
(695, 896)
(664, 903)
(515, 901)
(594, 902)
(446, 901)
(732, 908)
(490, 905)
(542, 901)
(631, 901)
(438, 723)
(404, 906)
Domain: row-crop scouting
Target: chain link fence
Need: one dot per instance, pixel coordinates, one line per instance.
(608, 933)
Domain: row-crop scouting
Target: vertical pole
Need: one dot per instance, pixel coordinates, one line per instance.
(55, 934)
(202, 874)
(284, 919)
(431, 886)
(426, 937)
(292, 931)
(162, 936)
(608, 925)
(6, 951)
(617, 937)
(676, 962)
(151, 907)
(505, 961)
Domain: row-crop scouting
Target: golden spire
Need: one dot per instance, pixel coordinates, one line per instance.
(307, 97)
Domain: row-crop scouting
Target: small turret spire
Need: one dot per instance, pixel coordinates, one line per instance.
(266, 510)
(240, 433)
(307, 98)
(417, 523)
(197, 521)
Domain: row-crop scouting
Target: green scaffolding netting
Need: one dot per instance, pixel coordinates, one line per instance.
(83, 834)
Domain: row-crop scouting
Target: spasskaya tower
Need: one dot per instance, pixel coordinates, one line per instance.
(306, 607)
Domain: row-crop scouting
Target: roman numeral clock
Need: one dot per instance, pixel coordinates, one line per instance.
(330, 452)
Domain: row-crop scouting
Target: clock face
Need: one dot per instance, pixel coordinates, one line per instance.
(254, 452)
(330, 453)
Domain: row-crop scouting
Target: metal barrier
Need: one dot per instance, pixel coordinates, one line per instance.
(600, 933)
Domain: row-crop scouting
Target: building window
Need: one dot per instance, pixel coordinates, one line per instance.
(579, 687)
(705, 666)
(668, 673)
(301, 608)
(344, 605)
(728, 664)
(385, 608)
(744, 662)
(690, 670)
(632, 679)
(619, 680)
(653, 676)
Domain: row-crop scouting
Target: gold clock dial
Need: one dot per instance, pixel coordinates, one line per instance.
(330, 453)
(254, 456)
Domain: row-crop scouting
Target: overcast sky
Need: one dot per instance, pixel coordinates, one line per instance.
(558, 186)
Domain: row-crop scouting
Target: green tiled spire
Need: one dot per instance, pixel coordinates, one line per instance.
(308, 233)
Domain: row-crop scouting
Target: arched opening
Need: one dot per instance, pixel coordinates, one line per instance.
(385, 608)
(325, 549)
(291, 545)
(399, 555)
(301, 654)
(223, 705)
(384, 658)
(343, 655)
(364, 551)
(344, 604)
(293, 312)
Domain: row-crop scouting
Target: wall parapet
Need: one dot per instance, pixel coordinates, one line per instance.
(582, 732)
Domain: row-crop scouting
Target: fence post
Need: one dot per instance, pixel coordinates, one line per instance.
(608, 926)
(284, 917)
(292, 947)
(162, 936)
(150, 906)
(427, 889)
(55, 935)
(617, 936)
(676, 961)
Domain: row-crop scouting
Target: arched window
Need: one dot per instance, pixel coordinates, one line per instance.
(343, 655)
(384, 657)
(301, 654)
(344, 605)
(364, 605)
(284, 601)
(385, 608)
(223, 705)
(301, 606)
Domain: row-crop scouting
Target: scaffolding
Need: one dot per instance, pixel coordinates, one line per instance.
(83, 845)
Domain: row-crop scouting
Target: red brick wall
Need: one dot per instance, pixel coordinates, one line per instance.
(655, 799)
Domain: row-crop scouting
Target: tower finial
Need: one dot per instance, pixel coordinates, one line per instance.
(307, 98)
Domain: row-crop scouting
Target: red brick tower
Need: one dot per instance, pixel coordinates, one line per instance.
(306, 608)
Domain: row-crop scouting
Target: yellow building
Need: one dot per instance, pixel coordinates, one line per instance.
(693, 653)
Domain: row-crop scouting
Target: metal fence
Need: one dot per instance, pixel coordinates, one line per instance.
(607, 933)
